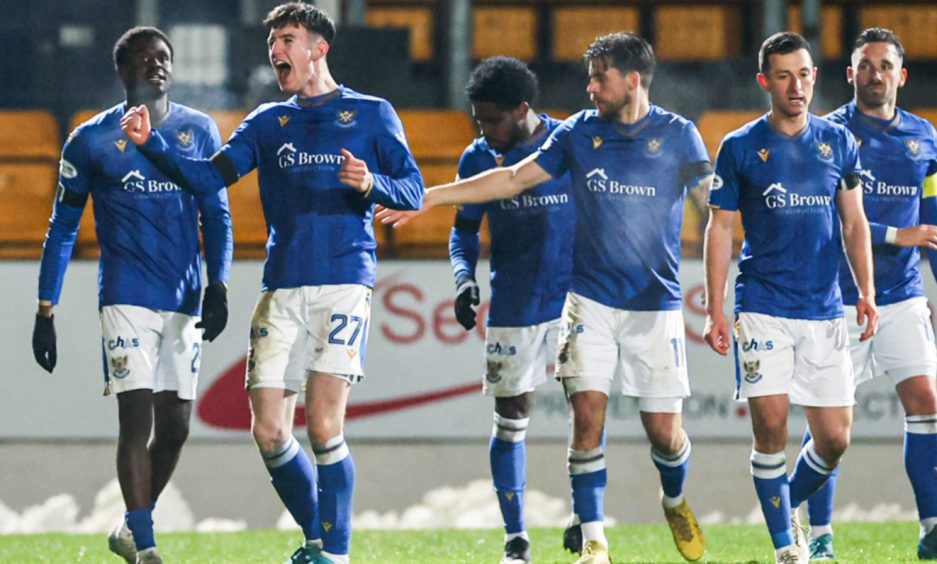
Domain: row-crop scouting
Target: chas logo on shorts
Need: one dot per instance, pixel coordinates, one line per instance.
(751, 367)
(505, 350)
(121, 343)
(754, 345)
(119, 368)
(288, 156)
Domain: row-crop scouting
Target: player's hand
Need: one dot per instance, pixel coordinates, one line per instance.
(466, 300)
(917, 236)
(355, 173)
(397, 218)
(214, 311)
(867, 314)
(44, 341)
(716, 333)
(136, 124)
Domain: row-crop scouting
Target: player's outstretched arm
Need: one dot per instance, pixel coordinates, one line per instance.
(196, 176)
(857, 241)
(491, 185)
(717, 253)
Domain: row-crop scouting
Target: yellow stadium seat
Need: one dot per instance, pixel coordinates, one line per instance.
(418, 19)
(27, 191)
(930, 114)
(688, 33)
(575, 27)
(81, 117)
(831, 29)
(715, 124)
(227, 121)
(505, 30)
(29, 134)
(914, 24)
(437, 134)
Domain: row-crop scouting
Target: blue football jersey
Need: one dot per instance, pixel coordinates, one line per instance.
(319, 230)
(146, 225)
(629, 183)
(531, 238)
(785, 189)
(897, 156)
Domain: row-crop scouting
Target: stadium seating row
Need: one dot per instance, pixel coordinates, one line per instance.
(30, 145)
(683, 31)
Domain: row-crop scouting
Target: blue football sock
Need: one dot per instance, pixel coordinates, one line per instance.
(294, 478)
(920, 459)
(336, 490)
(588, 478)
(769, 472)
(820, 504)
(673, 468)
(507, 453)
(140, 523)
(809, 475)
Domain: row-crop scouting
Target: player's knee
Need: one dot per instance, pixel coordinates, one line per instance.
(516, 407)
(173, 436)
(269, 436)
(831, 449)
(666, 440)
(322, 429)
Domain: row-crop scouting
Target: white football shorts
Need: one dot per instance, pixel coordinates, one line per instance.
(295, 331)
(517, 358)
(806, 359)
(150, 349)
(646, 349)
(902, 348)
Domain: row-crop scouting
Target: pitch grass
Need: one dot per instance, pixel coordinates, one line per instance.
(855, 542)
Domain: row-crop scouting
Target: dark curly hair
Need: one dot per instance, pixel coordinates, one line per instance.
(503, 81)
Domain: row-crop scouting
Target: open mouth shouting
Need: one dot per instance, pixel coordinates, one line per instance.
(283, 70)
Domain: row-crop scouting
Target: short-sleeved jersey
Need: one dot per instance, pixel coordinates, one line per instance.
(320, 230)
(146, 225)
(897, 156)
(629, 183)
(785, 189)
(531, 237)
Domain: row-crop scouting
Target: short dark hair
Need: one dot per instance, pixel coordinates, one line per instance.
(780, 43)
(133, 36)
(503, 81)
(303, 15)
(626, 52)
(879, 34)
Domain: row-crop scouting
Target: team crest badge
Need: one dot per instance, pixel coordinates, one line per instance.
(914, 146)
(185, 138)
(119, 367)
(597, 142)
(763, 154)
(825, 150)
(121, 145)
(654, 145)
(283, 120)
(346, 118)
(751, 371)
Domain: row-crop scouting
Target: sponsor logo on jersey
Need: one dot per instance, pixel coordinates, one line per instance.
(185, 138)
(599, 182)
(121, 343)
(498, 349)
(288, 156)
(778, 197)
(597, 142)
(825, 151)
(764, 154)
(754, 345)
(914, 146)
(121, 145)
(871, 186)
(345, 118)
(119, 367)
(528, 201)
(134, 181)
(752, 376)
(67, 169)
(653, 147)
(283, 120)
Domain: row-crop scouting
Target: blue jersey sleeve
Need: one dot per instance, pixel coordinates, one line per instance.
(725, 188)
(464, 239)
(929, 202)
(398, 183)
(552, 155)
(75, 170)
(696, 165)
(216, 221)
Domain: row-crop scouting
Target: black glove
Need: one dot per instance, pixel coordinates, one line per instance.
(44, 342)
(214, 311)
(466, 300)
